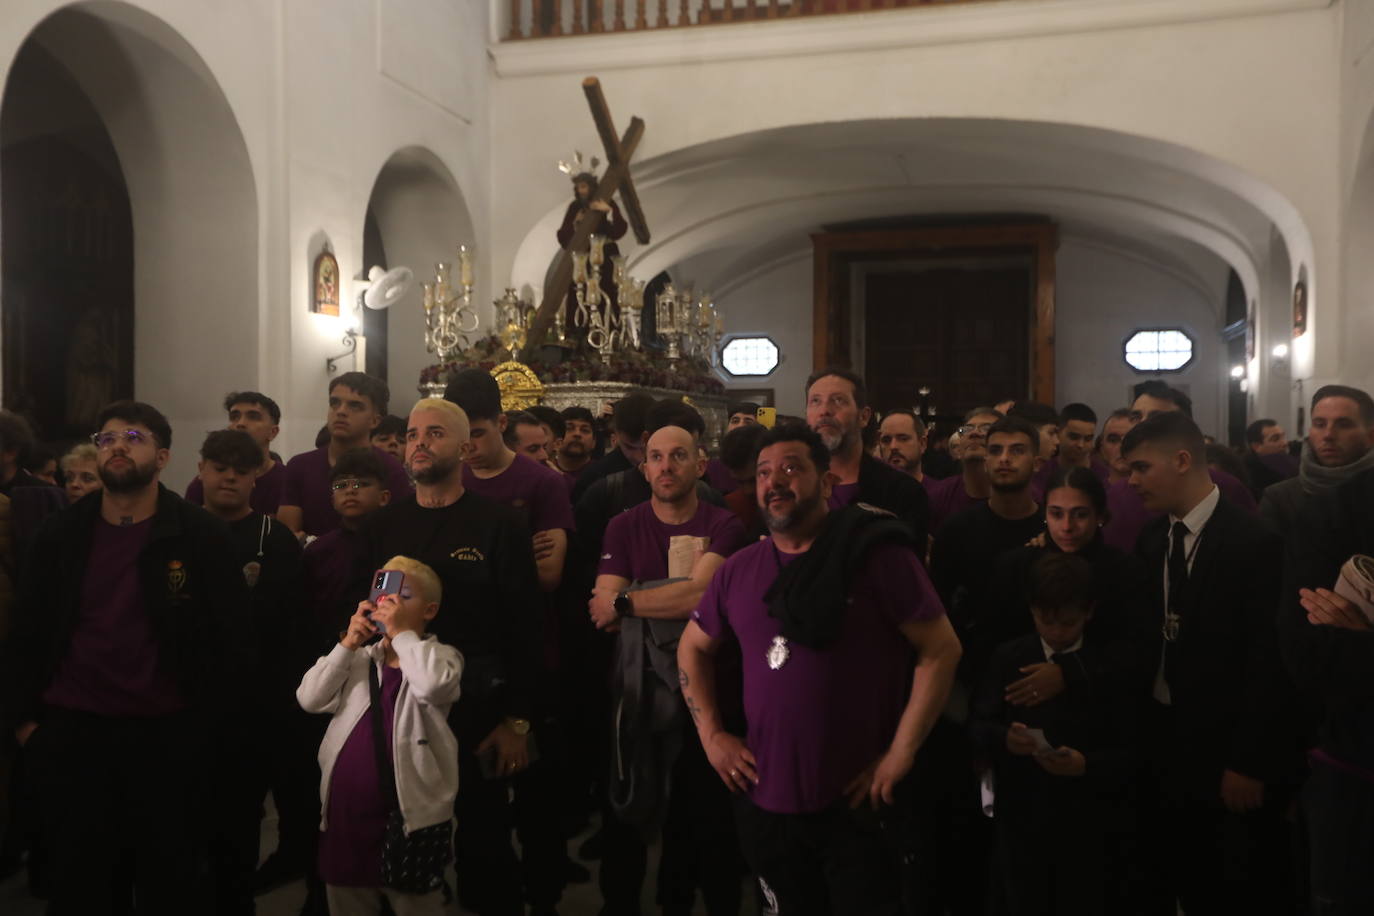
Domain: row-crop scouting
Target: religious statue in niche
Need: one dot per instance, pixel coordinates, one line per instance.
(604, 250)
(324, 296)
(1300, 308)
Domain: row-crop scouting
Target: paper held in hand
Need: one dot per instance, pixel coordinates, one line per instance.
(1356, 583)
(683, 551)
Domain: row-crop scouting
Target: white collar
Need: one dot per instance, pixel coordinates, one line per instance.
(1049, 652)
(1197, 519)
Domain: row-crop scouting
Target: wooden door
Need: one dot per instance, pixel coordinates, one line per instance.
(964, 333)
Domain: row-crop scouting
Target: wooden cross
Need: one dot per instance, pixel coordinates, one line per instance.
(619, 150)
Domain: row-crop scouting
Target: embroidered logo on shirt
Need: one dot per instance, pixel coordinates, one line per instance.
(605, 556)
(469, 553)
(176, 578)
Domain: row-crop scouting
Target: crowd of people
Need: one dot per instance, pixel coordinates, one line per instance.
(1041, 665)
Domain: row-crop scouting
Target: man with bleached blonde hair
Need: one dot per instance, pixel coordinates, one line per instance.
(490, 611)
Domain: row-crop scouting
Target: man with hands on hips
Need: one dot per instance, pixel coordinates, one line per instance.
(835, 714)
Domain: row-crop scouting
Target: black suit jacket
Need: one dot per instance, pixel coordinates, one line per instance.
(1234, 706)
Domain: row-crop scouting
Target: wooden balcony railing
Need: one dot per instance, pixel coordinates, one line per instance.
(556, 18)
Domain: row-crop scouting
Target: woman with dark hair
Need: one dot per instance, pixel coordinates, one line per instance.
(1075, 511)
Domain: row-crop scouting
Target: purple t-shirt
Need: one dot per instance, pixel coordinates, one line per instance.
(947, 499)
(112, 666)
(719, 476)
(351, 844)
(842, 494)
(1128, 514)
(636, 543)
(537, 492)
(330, 566)
(267, 491)
(307, 486)
(818, 720)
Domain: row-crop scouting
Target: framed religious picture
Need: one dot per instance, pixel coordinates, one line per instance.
(1300, 308)
(324, 285)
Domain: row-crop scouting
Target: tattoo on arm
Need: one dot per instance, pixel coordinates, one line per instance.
(692, 707)
(682, 679)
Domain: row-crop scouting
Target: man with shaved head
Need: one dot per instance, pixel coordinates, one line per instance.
(492, 612)
(669, 547)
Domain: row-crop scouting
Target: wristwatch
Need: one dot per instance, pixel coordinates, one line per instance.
(624, 607)
(519, 726)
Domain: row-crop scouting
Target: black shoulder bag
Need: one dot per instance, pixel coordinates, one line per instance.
(412, 863)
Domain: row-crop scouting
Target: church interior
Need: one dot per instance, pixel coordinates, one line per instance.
(965, 200)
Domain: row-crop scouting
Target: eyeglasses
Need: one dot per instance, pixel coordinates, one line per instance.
(968, 428)
(350, 483)
(129, 437)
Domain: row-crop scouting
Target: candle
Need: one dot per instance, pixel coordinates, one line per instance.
(579, 267)
(598, 250)
(465, 265)
(429, 297)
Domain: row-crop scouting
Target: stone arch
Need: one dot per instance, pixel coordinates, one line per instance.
(193, 201)
(419, 216)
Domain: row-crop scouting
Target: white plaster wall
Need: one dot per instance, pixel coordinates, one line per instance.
(322, 94)
(1102, 294)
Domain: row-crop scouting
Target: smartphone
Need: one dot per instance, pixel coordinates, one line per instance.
(385, 582)
(767, 417)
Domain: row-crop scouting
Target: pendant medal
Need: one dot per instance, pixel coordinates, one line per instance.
(778, 653)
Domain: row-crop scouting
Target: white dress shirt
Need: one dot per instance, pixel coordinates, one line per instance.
(1195, 521)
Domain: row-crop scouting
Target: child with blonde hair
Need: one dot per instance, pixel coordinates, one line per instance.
(389, 761)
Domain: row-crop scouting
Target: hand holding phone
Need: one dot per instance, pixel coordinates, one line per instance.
(385, 582)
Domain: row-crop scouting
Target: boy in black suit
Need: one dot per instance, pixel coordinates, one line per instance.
(1062, 768)
(1222, 723)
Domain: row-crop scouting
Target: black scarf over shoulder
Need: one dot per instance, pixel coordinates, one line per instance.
(811, 593)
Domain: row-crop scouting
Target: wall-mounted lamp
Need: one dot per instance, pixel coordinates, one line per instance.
(1280, 351)
(350, 341)
(1237, 372)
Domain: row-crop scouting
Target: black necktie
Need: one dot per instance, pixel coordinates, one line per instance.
(1178, 584)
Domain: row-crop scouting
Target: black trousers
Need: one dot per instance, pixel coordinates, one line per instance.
(837, 862)
(490, 876)
(121, 806)
(1195, 853)
(1338, 808)
(700, 846)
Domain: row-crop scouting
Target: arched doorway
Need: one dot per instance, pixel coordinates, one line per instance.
(139, 109)
(67, 250)
(415, 216)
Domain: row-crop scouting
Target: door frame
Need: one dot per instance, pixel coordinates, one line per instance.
(833, 252)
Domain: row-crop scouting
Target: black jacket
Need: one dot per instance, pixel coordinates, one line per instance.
(1122, 629)
(901, 494)
(1333, 665)
(1234, 706)
(198, 616)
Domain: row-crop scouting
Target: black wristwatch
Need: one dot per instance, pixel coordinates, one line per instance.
(624, 607)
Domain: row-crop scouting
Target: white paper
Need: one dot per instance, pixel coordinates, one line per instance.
(683, 551)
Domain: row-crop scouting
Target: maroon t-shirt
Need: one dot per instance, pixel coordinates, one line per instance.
(307, 486)
(824, 715)
(351, 844)
(947, 499)
(537, 492)
(842, 494)
(112, 666)
(267, 491)
(636, 543)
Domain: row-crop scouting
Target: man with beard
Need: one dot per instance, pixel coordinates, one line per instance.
(1340, 445)
(970, 487)
(837, 409)
(835, 714)
(962, 560)
(123, 677)
(1119, 423)
(1266, 460)
(902, 442)
(672, 544)
(613, 227)
(575, 448)
(492, 611)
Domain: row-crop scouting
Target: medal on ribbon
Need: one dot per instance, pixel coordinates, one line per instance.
(778, 653)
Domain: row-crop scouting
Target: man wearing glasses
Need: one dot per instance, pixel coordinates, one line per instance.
(128, 636)
(971, 486)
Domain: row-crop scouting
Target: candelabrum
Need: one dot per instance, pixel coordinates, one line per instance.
(449, 317)
(667, 315)
(513, 320)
